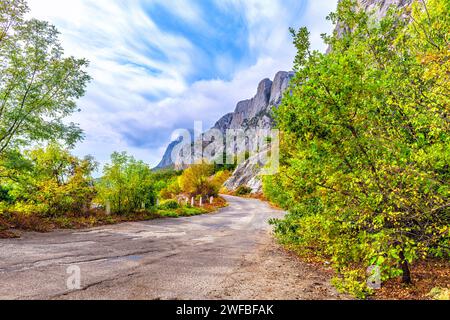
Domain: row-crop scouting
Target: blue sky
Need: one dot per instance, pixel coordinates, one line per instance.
(160, 65)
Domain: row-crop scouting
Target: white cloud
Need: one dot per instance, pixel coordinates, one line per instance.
(141, 89)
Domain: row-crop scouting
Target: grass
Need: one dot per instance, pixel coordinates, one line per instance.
(189, 211)
(11, 224)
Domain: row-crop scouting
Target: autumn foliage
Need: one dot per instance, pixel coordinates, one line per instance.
(366, 182)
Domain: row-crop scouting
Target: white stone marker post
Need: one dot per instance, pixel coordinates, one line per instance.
(108, 208)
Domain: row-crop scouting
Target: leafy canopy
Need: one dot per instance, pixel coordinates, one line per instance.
(127, 185)
(38, 85)
(48, 181)
(366, 143)
(197, 181)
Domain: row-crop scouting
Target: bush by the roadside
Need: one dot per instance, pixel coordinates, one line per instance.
(199, 180)
(49, 182)
(169, 205)
(196, 181)
(189, 211)
(365, 145)
(127, 185)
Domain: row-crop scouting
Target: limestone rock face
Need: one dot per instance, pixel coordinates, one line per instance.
(279, 86)
(167, 161)
(241, 114)
(224, 123)
(248, 174)
(380, 7)
(254, 113)
(250, 109)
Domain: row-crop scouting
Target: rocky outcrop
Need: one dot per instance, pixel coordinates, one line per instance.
(251, 109)
(380, 7)
(224, 123)
(248, 174)
(254, 113)
(167, 162)
(279, 86)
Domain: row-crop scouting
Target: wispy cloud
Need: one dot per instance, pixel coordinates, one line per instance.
(160, 65)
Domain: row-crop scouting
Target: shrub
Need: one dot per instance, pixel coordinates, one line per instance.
(169, 205)
(188, 211)
(243, 191)
(29, 222)
(5, 195)
(196, 181)
(220, 178)
(168, 214)
(172, 189)
(127, 185)
(53, 183)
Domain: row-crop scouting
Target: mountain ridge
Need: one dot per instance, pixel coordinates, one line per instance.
(253, 113)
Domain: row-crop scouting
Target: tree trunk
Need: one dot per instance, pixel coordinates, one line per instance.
(404, 265)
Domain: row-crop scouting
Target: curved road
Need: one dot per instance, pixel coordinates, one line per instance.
(186, 258)
(169, 258)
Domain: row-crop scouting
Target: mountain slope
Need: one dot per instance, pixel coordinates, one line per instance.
(254, 113)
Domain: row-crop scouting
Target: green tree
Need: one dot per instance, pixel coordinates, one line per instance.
(38, 85)
(197, 181)
(171, 190)
(11, 14)
(366, 182)
(49, 181)
(127, 185)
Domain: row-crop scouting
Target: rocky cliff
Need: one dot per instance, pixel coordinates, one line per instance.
(167, 162)
(257, 114)
(254, 113)
(378, 7)
(248, 173)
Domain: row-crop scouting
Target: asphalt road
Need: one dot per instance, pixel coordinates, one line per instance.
(186, 258)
